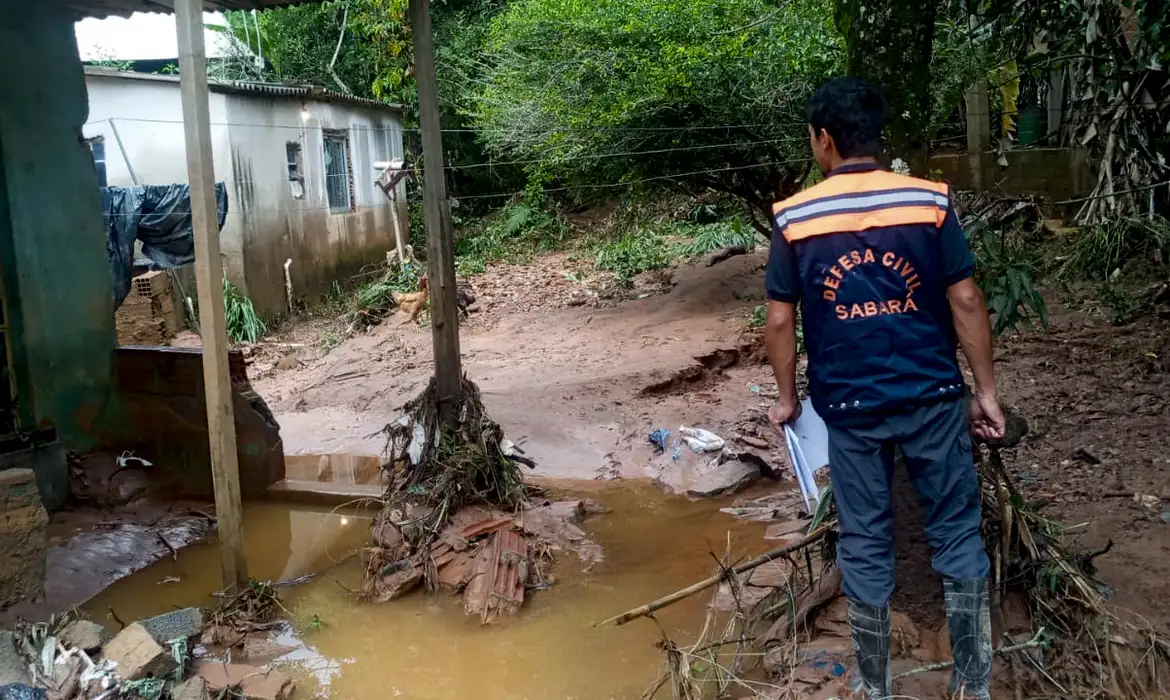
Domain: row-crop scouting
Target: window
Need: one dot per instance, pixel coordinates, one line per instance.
(338, 182)
(97, 147)
(296, 176)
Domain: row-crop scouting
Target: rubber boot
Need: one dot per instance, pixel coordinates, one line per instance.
(871, 642)
(969, 620)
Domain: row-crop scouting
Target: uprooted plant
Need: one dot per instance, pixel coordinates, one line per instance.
(435, 468)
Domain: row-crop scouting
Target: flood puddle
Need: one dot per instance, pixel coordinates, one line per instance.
(424, 647)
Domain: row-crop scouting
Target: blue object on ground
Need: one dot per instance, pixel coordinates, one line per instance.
(658, 438)
(17, 691)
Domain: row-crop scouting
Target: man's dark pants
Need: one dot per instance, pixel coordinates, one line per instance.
(937, 449)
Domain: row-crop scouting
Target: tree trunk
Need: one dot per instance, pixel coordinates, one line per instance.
(890, 43)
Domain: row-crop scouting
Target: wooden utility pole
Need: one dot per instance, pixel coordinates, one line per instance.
(440, 238)
(221, 425)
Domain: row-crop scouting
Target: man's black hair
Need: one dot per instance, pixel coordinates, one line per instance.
(853, 111)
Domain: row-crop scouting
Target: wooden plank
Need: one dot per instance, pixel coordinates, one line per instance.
(221, 425)
(440, 238)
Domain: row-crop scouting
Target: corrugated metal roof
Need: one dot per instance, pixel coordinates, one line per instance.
(313, 92)
(81, 9)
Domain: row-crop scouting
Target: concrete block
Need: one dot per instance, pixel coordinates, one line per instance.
(23, 537)
(185, 623)
(253, 682)
(13, 669)
(192, 689)
(137, 655)
(85, 635)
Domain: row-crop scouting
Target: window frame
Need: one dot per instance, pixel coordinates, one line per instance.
(341, 137)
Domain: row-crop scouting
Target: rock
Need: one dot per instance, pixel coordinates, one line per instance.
(85, 635)
(754, 442)
(773, 574)
(723, 480)
(261, 647)
(782, 531)
(13, 669)
(193, 689)
(137, 654)
(252, 682)
(66, 674)
(179, 624)
(23, 537)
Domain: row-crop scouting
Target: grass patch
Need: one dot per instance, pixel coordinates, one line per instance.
(243, 324)
(517, 234)
(637, 251)
(1100, 251)
(707, 238)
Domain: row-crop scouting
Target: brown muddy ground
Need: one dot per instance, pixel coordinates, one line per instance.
(566, 381)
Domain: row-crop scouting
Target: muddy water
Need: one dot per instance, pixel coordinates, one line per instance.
(424, 648)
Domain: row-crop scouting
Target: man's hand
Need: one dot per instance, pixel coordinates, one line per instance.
(987, 420)
(783, 411)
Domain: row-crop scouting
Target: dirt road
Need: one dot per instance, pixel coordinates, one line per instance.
(566, 383)
(563, 383)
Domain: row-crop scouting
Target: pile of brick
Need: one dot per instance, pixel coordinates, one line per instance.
(149, 658)
(150, 315)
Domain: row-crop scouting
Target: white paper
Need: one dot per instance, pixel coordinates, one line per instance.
(808, 449)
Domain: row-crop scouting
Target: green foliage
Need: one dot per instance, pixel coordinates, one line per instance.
(639, 250)
(706, 238)
(375, 299)
(1005, 271)
(569, 84)
(759, 317)
(515, 234)
(243, 325)
(1100, 251)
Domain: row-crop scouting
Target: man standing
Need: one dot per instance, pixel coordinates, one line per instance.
(883, 275)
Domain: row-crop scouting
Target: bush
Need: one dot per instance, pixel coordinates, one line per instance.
(639, 250)
(516, 234)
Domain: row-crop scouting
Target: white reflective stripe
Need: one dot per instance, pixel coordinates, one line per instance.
(874, 201)
(781, 220)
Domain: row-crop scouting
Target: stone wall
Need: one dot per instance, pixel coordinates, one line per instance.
(23, 538)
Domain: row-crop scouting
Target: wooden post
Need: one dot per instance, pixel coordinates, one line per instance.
(440, 238)
(221, 425)
(978, 131)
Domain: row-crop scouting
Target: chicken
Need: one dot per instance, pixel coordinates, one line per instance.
(413, 303)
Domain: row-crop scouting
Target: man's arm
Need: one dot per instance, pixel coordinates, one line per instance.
(972, 326)
(783, 285)
(780, 340)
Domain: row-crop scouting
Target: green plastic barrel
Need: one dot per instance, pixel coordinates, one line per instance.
(1031, 127)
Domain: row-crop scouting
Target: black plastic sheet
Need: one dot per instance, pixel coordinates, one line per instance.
(160, 217)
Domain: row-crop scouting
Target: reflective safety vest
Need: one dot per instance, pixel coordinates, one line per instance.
(877, 321)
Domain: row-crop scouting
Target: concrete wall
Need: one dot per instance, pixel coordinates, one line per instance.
(52, 242)
(266, 224)
(1052, 173)
(323, 245)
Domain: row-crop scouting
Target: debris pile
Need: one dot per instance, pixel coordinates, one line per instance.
(457, 515)
(70, 658)
(784, 612)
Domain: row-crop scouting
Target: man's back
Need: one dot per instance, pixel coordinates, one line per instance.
(872, 254)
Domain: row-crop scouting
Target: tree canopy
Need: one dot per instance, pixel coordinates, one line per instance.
(696, 93)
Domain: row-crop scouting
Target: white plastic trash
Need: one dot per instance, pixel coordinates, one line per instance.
(701, 440)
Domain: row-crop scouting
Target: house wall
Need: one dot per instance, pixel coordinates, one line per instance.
(266, 224)
(276, 226)
(52, 242)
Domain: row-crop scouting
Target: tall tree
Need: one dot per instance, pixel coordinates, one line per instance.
(891, 42)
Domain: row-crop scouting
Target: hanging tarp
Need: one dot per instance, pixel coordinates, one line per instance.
(160, 217)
